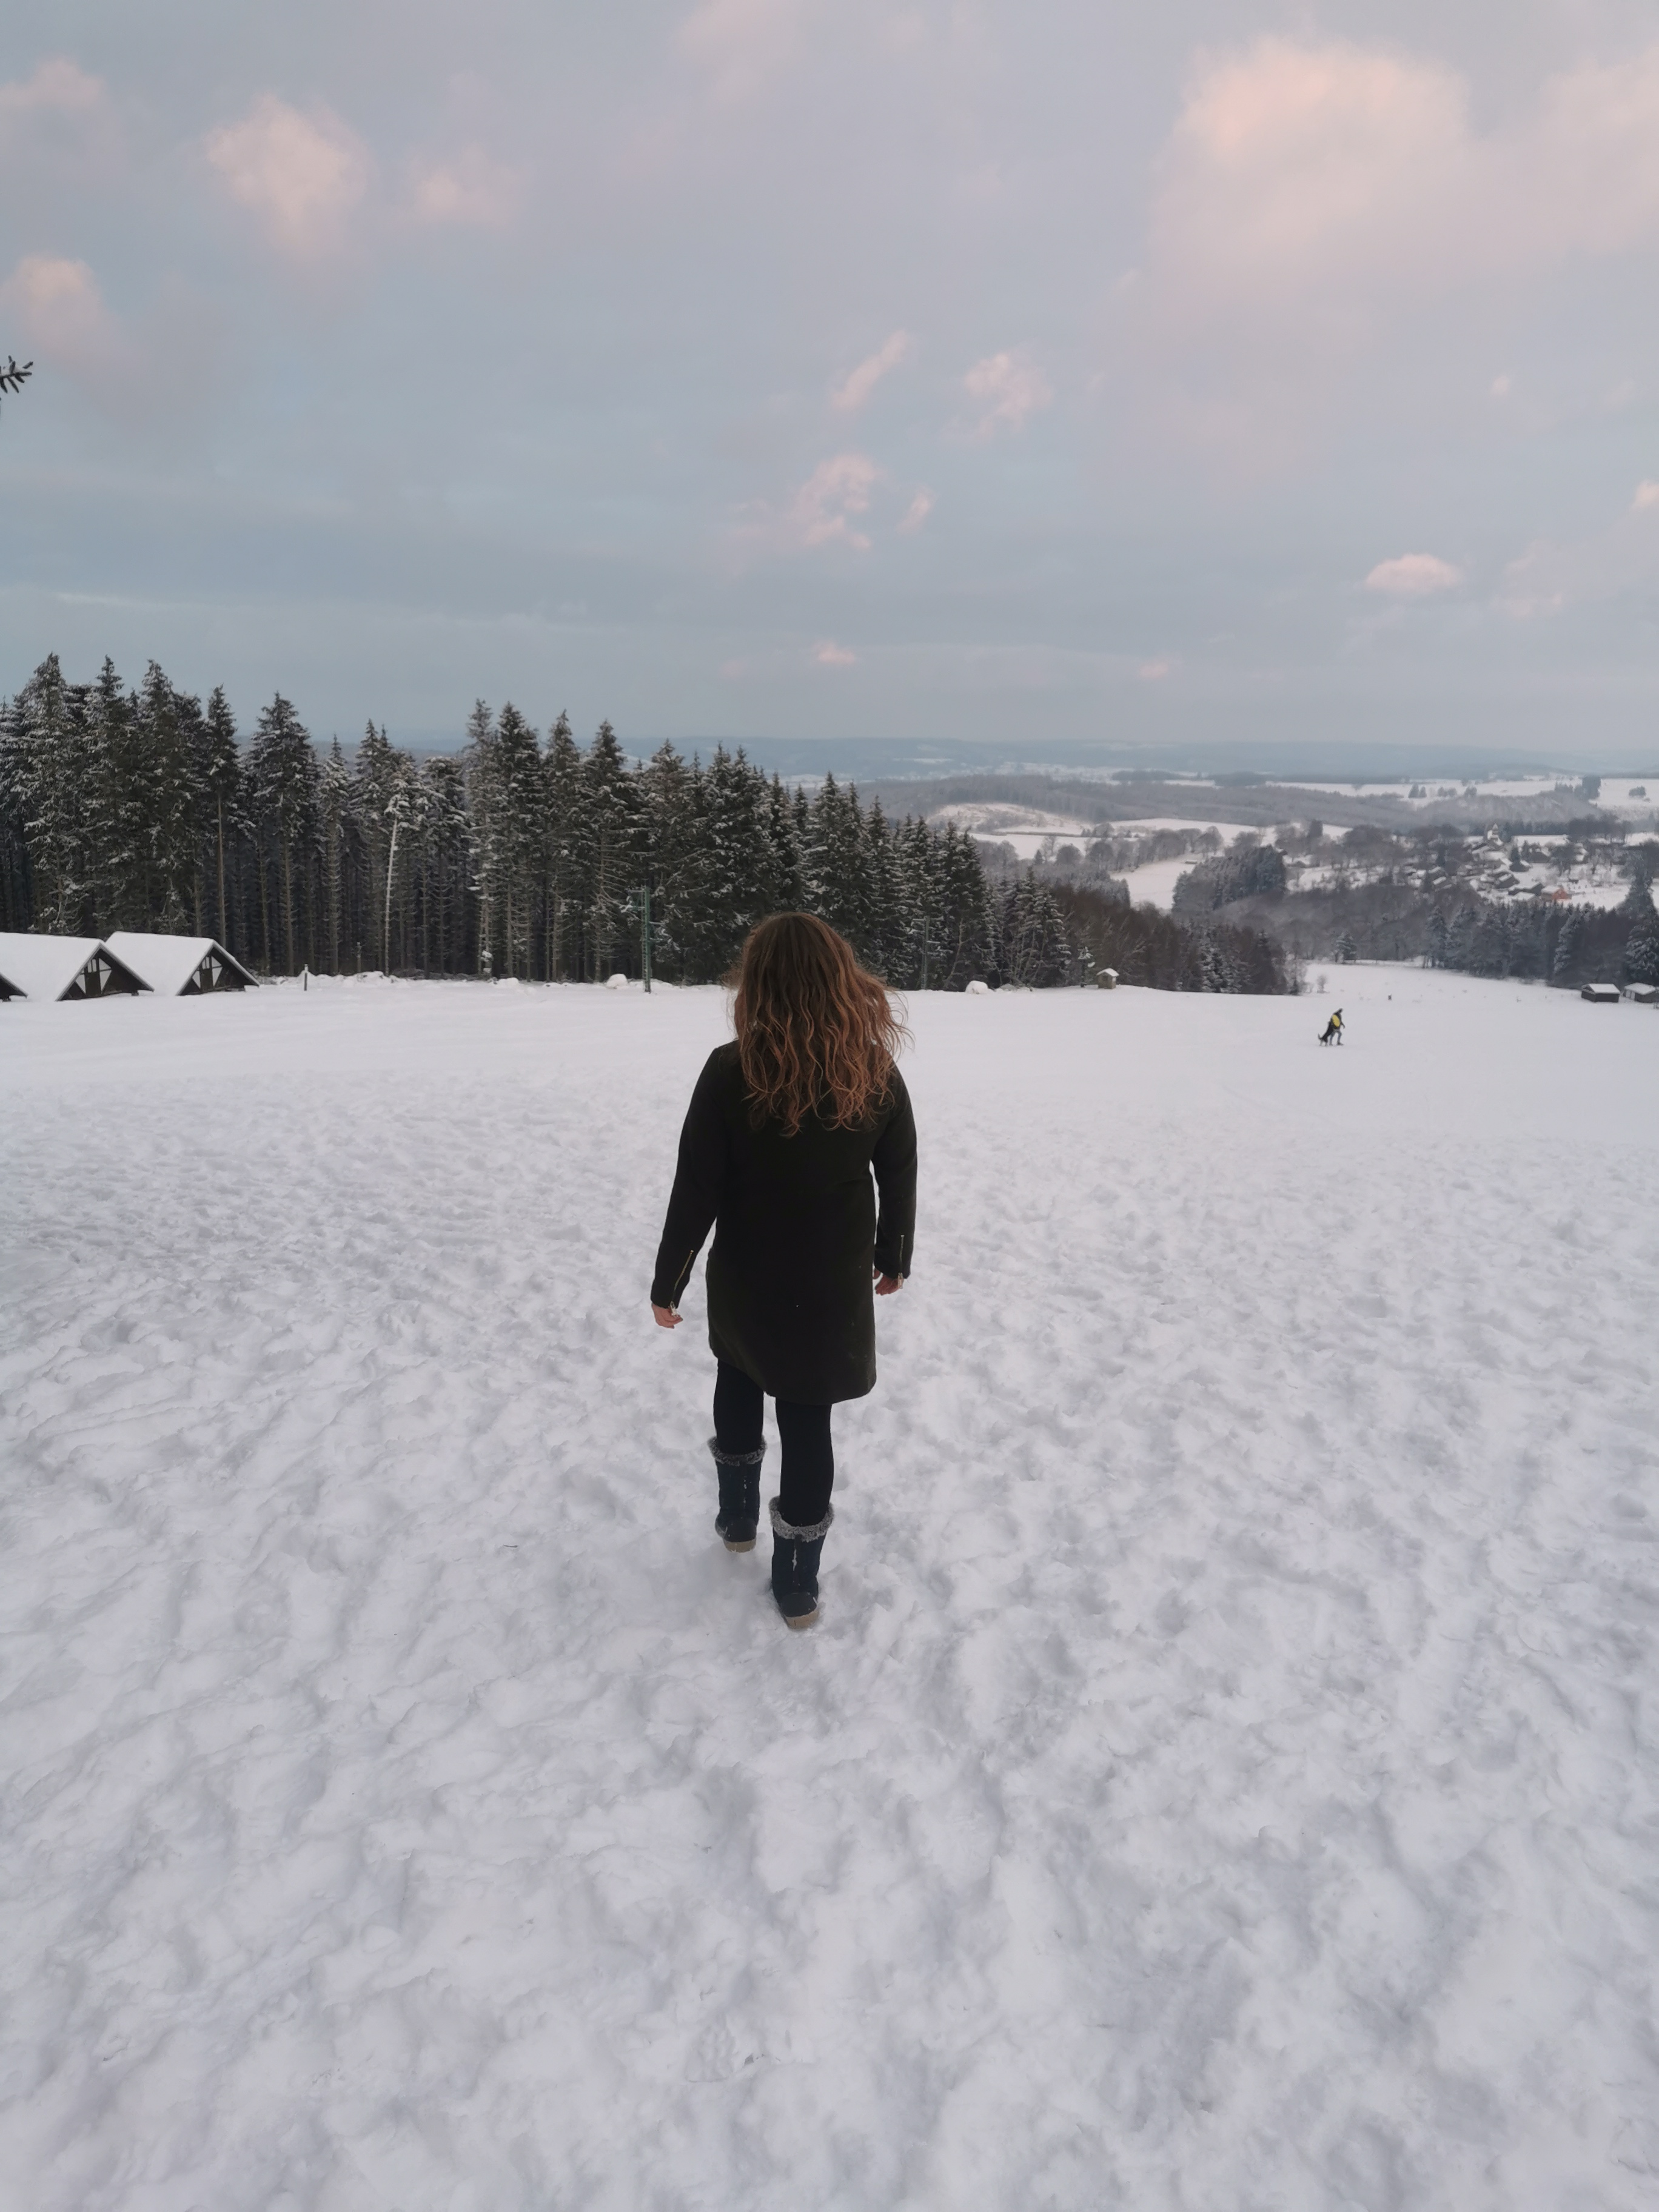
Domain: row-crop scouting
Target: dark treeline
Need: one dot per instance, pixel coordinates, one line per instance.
(1557, 944)
(1163, 953)
(519, 857)
(1544, 940)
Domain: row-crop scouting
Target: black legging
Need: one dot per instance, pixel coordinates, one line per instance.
(808, 1472)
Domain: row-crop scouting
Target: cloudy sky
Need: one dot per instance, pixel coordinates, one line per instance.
(1028, 371)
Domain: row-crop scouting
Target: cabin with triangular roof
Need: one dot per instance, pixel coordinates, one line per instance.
(64, 967)
(180, 967)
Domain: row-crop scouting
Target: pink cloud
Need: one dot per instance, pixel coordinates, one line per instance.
(59, 86)
(62, 314)
(857, 387)
(1314, 196)
(302, 175)
(917, 513)
(1154, 671)
(1413, 576)
(739, 43)
(828, 655)
(471, 189)
(1007, 388)
(1332, 181)
(838, 489)
(1647, 496)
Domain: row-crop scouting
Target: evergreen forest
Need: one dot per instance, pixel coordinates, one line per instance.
(538, 859)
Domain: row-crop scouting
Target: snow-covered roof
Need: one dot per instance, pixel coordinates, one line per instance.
(47, 967)
(167, 962)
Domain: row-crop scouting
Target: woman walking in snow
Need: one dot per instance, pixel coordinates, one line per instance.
(785, 1128)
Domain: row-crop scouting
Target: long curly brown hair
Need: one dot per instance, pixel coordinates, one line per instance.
(814, 1029)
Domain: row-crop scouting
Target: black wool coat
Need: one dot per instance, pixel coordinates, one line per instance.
(796, 1234)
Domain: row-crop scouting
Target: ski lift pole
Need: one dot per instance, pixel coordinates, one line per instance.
(645, 931)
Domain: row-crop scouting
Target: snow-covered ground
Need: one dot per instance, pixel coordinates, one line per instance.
(1224, 1773)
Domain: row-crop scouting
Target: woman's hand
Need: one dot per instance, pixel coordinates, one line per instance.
(665, 1317)
(886, 1285)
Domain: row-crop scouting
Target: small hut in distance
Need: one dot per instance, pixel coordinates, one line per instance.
(180, 967)
(33, 966)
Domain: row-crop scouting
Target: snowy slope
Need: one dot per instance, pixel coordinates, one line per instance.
(1224, 1774)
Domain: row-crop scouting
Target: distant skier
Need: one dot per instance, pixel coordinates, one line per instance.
(1332, 1032)
(784, 1129)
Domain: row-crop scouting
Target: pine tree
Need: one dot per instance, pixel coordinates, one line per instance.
(562, 818)
(520, 798)
(483, 800)
(837, 871)
(611, 819)
(377, 778)
(1641, 953)
(788, 890)
(886, 918)
(114, 813)
(666, 835)
(445, 851)
(333, 808)
(737, 861)
(968, 921)
(163, 804)
(920, 858)
(406, 817)
(282, 778)
(218, 780)
(51, 770)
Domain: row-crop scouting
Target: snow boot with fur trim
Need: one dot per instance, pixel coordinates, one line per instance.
(739, 1514)
(795, 1555)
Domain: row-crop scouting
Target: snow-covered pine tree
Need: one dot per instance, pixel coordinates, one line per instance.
(788, 887)
(162, 800)
(521, 796)
(219, 782)
(484, 807)
(920, 903)
(737, 877)
(192, 730)
(665, 788)
(968, 918)
(837, 870)
(562, 858)
(444, 849)
(50, 771)
(333, 806)
(406, 817)
(282, 783)
(611, 819)
(1215, 967)
(1640, 958)
(691, 927)
(887, 932)
(1460, 942)
(1563, 966)
(114, 804)
(1034, 948)
(374, 776)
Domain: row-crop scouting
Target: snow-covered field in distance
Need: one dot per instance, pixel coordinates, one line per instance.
(1224, 1774)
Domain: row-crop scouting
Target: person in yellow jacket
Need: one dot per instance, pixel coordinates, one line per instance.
(1332, 1032)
